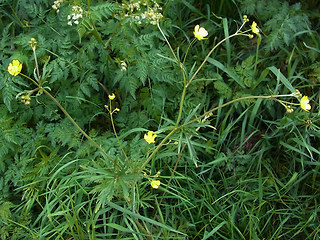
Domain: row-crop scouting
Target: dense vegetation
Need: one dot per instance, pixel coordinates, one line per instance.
(147, 119)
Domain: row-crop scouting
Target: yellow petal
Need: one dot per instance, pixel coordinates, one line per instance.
(112, 96)
(155, 183)
(304, 103)
(200, 33)
(15, 67)
(203, 32)
(254, 28)
(149, 137)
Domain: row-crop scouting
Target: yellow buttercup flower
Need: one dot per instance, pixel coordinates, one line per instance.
(304, 103)
(254, 28)
(112, 96)
(200, 33)
(14, 67)
(155, 183)
(149, 137)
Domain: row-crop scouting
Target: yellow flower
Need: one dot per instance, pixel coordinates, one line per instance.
(15, 67)
(200, 33)
(112, 96)
(254, 28)
(155, 183)
(149, 137)
(304, 103)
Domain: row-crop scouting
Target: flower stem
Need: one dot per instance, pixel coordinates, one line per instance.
(159, 146)
(194, 75)
(77, 126)
(174, 55)
(37, 67)
(115, 133)
(228, 103)
(208, 55)
(203, 116)
(185, 56)
(181, 103)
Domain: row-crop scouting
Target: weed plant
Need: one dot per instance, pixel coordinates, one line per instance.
(158, 119)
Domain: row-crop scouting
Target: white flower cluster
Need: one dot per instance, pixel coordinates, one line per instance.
(56, 5)
(142, 11)
(77, 13)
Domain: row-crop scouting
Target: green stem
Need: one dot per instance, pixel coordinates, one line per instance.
(115, 133)
(185, 56)
(257, 53)
(206, 58)
(228, 103)
(76, 125)
(181, 103)
(174, 55)
(88, 5)
(202, 116)
(36, 83)
(63, 110)
(97, 36)
(96, 33)
(37, 67)
(194, 75)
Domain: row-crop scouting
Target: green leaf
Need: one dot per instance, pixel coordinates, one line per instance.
(226, 70)
(282, 78)
(149, 220)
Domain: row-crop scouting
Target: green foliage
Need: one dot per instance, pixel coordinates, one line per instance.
(74, 163)
(282, 22)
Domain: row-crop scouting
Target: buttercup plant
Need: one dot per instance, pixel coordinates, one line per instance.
(150, 137)
(155, 183)
(200, 33)
(304, 103)
(95, 186)
(15, 67)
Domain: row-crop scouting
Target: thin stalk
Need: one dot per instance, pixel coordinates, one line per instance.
(159, 146)
(206, 58)
(97, 36)
(63, 110)
(181, 103)
(257, 53)
(36, 83)
(88, 5)
(115, 133)
(185, 56)
(194, 75)
(174, 55)
(233, 101)
(37, 67)
(205, 115)
(77, 126)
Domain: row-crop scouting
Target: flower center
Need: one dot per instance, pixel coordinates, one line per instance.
(15, 68)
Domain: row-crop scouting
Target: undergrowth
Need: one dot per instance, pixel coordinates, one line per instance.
(159, 119)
